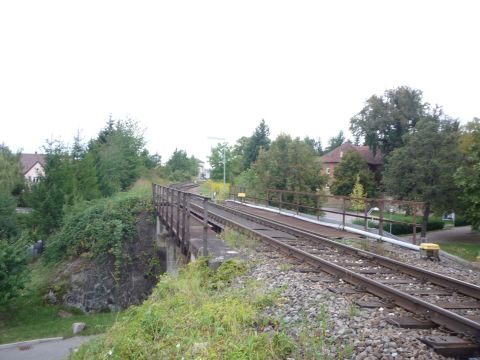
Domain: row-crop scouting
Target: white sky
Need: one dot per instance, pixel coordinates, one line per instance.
(187, 70)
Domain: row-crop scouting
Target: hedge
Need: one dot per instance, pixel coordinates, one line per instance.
(403, 229)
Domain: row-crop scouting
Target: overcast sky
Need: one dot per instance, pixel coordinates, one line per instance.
(187, 70)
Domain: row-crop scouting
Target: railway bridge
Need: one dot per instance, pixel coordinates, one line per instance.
(435, 301)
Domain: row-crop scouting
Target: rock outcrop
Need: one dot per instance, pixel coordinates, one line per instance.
(107, 284)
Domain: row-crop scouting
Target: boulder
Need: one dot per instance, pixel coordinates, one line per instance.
(78, 327)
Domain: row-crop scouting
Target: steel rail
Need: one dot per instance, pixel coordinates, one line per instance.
(436, 314)
(422, 274)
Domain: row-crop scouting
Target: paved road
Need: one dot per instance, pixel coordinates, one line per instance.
(461, 234)
(52, 350)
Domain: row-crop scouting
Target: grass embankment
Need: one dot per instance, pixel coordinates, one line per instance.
(470, 252)
(195, 315)
(30, 317)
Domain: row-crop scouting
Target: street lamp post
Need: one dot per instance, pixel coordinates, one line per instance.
(224, 165)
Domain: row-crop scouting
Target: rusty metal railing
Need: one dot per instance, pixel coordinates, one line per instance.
(318, 203)
(173, 207)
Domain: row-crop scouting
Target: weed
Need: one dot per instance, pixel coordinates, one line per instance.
(353, 310)
(239, 240)
(284, 267)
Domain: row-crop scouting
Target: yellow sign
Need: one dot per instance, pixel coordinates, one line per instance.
(241, 195)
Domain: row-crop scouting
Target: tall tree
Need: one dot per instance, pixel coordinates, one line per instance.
(315, 144)
(335, 141)
(423, 168)
(384, 120)
(86, 181)
(11, 178)
(180, 167)
(216, 159)
(117, 152)
(346, 173)
(467, 176)
(259, 140)
(289, 164)
(55, 190)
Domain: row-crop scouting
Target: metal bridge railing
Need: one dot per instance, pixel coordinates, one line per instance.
(173, 207)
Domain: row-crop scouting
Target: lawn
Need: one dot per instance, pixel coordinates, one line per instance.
(470, 252)
(29, 317)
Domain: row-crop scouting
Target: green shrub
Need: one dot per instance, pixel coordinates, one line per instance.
(98, 228)
(13, 272)
(403, 229)
(435, 224)
(462, 221)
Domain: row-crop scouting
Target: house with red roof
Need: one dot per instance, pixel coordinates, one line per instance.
(331, 159)
(33, 166)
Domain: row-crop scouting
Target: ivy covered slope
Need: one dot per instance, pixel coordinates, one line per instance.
(195, 315)
(110, 250)
(99, 227)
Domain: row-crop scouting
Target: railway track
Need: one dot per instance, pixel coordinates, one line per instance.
(433, 299)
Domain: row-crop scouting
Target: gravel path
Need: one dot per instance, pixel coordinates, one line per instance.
(52, 350)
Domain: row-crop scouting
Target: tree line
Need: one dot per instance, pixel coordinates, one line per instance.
(427, 157)
(74, 177)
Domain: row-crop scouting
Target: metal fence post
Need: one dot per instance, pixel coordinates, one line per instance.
(414, 224)
(205, 226)
(380, 225)
(171, 210)
(317, 206)
(160, 202)
(298, 203)
(184, 216)
(166, 208)
(280, 199)
(187, 226)
(365, 213)
(344, 210)
(178, 214)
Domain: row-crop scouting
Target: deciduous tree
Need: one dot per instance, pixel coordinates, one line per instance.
(423, 168)
(346, 173)
(385, 119)
(467, 176)
(180, 167)
(11, 178)
(289, 164)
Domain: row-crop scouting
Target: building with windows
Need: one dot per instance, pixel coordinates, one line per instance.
(33, 166)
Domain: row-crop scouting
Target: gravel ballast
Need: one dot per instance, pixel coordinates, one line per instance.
(334, 326)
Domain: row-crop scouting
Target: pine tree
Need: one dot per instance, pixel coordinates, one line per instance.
(259, 140)
(357, 195)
